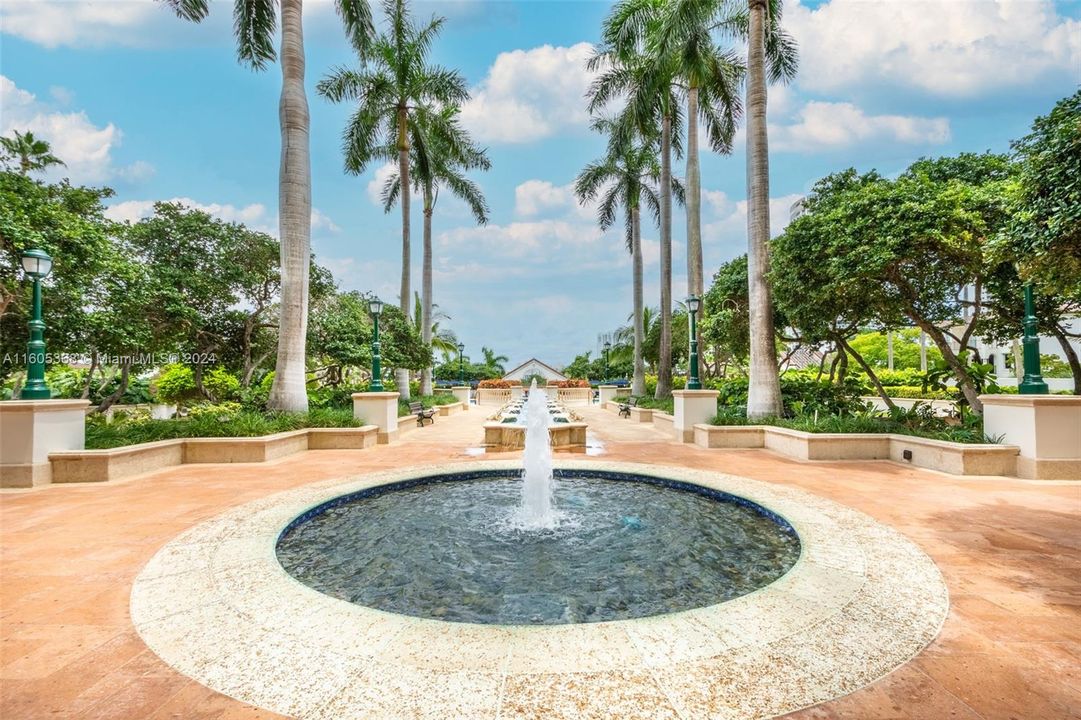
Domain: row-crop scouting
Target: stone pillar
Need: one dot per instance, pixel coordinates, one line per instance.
(1046, 428)
(461, 393)
(30, 430)
(379, 409)
(692, 408)
(608, 392)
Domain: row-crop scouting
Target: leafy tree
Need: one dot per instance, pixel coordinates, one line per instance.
(895, 252)
(254, 23)
(1044, 234)
(400, 95)
(27, 152)
(69, 224)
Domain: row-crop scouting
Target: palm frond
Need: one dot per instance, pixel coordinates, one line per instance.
(254, 24)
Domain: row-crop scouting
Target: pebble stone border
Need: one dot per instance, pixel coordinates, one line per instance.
(215, 604)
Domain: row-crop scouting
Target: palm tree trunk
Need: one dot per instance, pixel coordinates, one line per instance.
(764, 388)
(401, 375)
(694, 210)
(426, 290)
(664, 359)
(289, 391)
(638, 383)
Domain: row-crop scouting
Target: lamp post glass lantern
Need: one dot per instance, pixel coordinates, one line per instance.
(36, 264)
(693, 383)
(375, 306)
(461, 367)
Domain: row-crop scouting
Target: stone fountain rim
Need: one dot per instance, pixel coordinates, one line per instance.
(215, 604)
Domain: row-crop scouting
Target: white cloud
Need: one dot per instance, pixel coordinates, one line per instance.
(52, 23)
(537, 197)
(729, 224)
(961, 47)
(832, 125)
(85, 148)
(255, 216)
(540, 239)
(532, 94)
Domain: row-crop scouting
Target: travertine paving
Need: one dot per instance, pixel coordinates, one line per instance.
(1008, 550)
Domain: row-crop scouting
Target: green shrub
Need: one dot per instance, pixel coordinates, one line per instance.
(919, 421)
(917, 392)
(221, 384)
(174, 384)
(801, 393)
(101, 434)
(220, 411)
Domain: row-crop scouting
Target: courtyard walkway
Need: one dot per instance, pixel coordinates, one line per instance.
(1010, 551)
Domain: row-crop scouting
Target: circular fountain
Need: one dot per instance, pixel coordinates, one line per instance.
(612, 546)
(721, 596)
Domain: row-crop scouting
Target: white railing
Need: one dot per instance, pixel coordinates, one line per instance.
(493, 396)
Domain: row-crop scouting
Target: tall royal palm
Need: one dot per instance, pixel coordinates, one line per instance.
(680, 35)
(441, 155)
(255, 22)
(395, 89)
(766, 52)
(626, 176)
(770, 52)
(647, 85)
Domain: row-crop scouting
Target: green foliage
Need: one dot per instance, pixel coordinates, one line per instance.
(874, 348)
(918, 392)
(801, 393)
(175, 384)
(1044, 233)
(221, 384)
(220, 411)
(101, 434)
(919, 421)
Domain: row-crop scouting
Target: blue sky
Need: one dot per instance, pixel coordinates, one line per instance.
(157, 109)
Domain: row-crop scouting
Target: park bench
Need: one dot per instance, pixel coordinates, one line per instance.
(422, 414)
(625, 408)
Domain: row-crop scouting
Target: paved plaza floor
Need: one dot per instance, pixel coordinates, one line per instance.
(1010, 552)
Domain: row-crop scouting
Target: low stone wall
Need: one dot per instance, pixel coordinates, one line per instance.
(445, 410)
(948, 457)
(407, 423)
(661, 420)
(75, 466)
(511, 436)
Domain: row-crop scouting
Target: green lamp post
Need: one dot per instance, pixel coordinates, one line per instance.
(36, 264)
(607, 347)
(1033, 383)
(461, 366)
(693, 383)
(375, 306)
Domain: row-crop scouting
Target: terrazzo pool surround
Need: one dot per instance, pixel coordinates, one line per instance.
(215, 604)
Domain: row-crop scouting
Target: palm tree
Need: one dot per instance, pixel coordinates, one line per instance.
(627, 175)
(439, 158)
(398, 94)
(254, 23)
(763, 31)
(493, 362)
(30, 152)
(647, 83)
